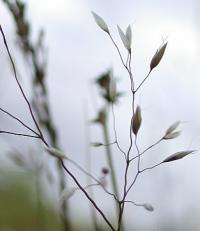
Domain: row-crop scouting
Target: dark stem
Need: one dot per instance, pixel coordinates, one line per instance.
(143, 81)
(18, 83)
(149, 168)
(14, 117)
(115, 131)
(19, 134)
(87, 195)
(145, 150)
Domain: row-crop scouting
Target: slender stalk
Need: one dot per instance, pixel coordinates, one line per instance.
(111, 166)
(19, 134)
(127, 66)
(87, 195)
(17, 119)
(138, 154)
(115, 131)
(120, 55)
(122, 204)
(18, 83)
(145, 150)
(152, 167)
(143, 81)
(89, 168)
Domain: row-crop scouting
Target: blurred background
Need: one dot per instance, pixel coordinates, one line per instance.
(59, 53)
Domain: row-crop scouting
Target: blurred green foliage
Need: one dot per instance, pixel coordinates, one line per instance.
(20, 209)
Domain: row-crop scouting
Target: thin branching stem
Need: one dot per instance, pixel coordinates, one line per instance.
(110, 162)
(110, 144)
(83, 170)
(127, 66)
(118, 50)
(143, 81)
(92, 177)
(115, 131)
(143, 170)
(151, 146)
(40, 136)
(133, 182)
(147, 149)
(121, 204)
(138, 154)
(87, 195)
(133, 103)
(19, 134)
(152, 167)
(17, 119)
(134, 203)
(127, 60)
(18, 83)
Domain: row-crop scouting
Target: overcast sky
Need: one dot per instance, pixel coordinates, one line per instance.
(79, 51)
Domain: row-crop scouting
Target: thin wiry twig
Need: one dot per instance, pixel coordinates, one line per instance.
(91, 176)
(110, 144)
(133, 182)
(127, 156)
(138, 151)
(140, 171)
(152, 167)
(133, 103)
(100, 185)
(19, 134)
(143, 81)
(148, 148)
(83, 170)
(19, 85)
(87, 195)
(126, 67)
(120, 55)
(127, 59)
(134, 203)
(21, 122)
(115, 131)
